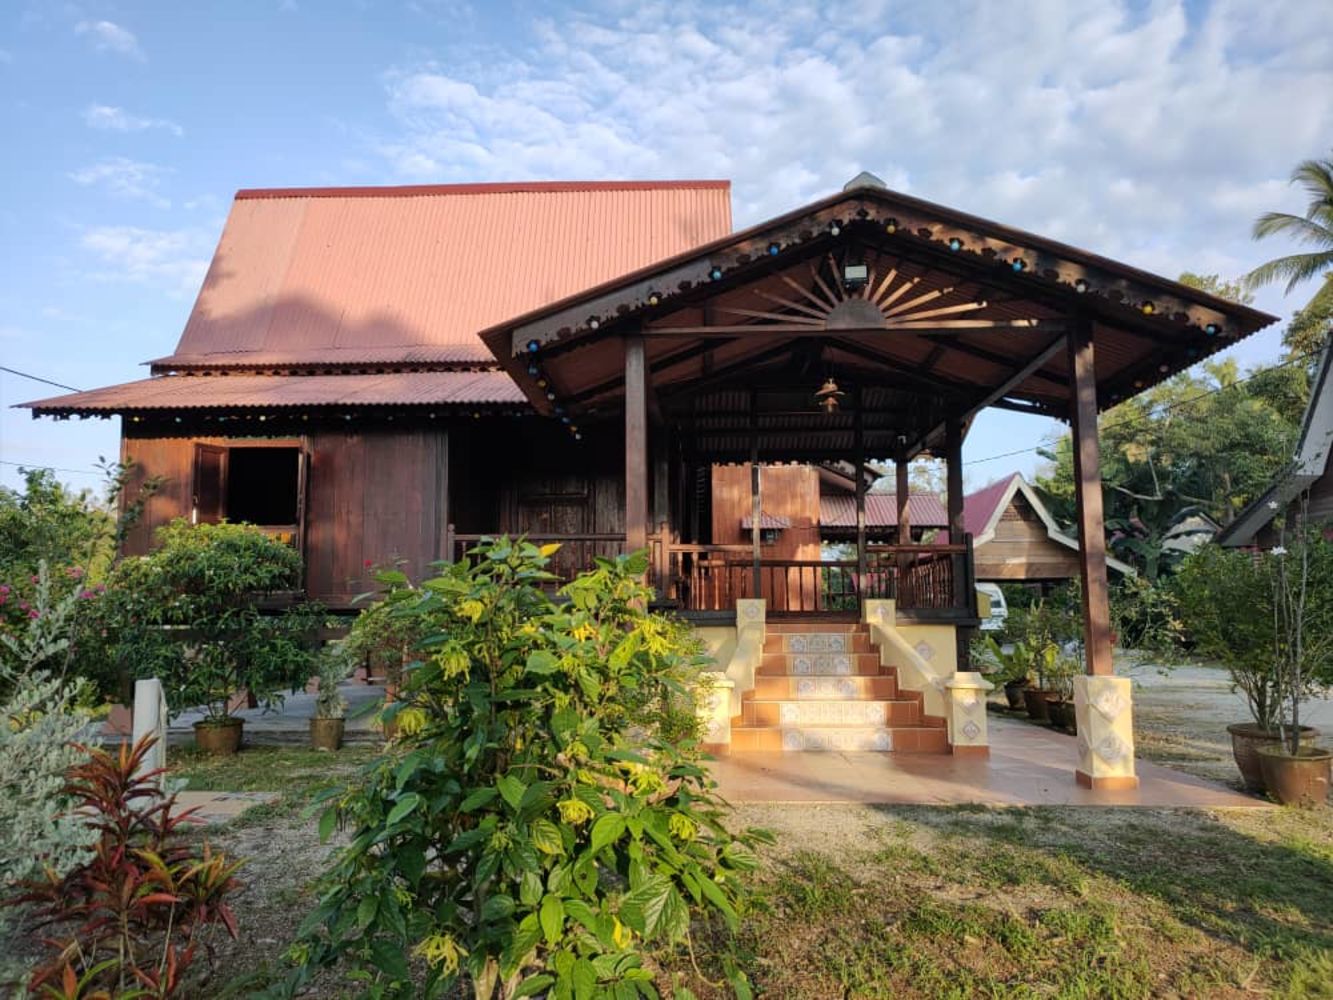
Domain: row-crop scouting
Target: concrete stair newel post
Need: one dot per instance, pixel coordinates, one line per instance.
(722, 702)
(967, 714)
(1103, 708)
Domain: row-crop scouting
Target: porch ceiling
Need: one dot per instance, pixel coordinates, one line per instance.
(955, 313)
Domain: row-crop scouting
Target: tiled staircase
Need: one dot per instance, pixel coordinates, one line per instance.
(821, 687)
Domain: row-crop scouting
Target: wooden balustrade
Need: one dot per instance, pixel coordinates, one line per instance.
(708, 578)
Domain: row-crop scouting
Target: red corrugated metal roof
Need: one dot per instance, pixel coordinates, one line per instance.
(194, 392)
(388, 274)
(767, 522)
(980, 506)
(925, 510)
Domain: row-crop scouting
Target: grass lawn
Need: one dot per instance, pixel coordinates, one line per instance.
(862, 901)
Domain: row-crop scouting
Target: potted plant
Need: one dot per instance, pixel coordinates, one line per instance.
(188, 613)
(328, 722)
(1296, 773)
(1060, 674)
(1228, 612)
(1007, 668)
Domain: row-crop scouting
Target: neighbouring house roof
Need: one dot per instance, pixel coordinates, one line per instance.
(767, 522)
(1191, 534)
(222, 392)
(1307, 467)
(924, 509)
(322, 279)
(983, 509)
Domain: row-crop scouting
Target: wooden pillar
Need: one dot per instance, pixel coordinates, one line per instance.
(962, 576)
(1088, 497)
(756, 500)
(859, 443)
(903, 488)
(903, 574)
(636, 445)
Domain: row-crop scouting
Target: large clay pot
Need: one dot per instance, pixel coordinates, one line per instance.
(1246, 740)
(1061, 713)
(1296, 781)
(1013, 692)
(1037, 705)
(220, 739)
(326, 734)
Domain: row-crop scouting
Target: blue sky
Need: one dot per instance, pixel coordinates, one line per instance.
(1151, 132)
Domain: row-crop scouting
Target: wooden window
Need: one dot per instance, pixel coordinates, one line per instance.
(252, 482)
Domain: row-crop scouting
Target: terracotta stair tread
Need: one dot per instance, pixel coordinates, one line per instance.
(893, 739)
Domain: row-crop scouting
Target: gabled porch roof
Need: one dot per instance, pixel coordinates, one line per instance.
(950, 313)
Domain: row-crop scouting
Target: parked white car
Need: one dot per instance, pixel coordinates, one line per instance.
(999, 610)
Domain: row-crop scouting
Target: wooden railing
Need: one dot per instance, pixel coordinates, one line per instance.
(707, 578)
(919, 577)
(576, 552)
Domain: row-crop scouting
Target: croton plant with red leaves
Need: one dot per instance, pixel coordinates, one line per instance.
(132, 920)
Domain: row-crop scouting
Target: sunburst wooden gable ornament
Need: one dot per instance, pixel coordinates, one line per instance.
(863, 298)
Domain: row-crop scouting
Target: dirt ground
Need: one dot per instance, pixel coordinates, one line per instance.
(1181, 715)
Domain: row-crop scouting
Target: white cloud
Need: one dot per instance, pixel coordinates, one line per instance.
(173, 259)
(107, 36)
(112, 119)
(1152, 132)
(124, 178)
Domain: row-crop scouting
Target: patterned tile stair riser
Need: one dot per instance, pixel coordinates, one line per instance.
(827, 691)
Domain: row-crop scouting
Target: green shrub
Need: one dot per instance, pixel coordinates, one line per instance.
(1228, 613)
(187, 614)
(528, 832)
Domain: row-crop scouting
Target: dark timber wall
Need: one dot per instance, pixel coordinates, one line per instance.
(385, 494)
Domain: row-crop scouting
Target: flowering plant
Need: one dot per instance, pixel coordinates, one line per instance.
(531, 830)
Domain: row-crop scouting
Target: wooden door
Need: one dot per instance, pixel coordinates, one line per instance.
(209, 493)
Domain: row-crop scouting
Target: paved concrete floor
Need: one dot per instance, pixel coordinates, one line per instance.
(1028, 766)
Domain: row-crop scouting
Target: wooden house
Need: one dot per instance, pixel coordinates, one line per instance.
(1305, 486)
(387, 374)
(1016, 540)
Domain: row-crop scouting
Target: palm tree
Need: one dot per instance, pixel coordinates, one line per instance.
(1314, 229)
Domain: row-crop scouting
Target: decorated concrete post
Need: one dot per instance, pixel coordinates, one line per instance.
(723, 701)
(1103, 710)
(967, 714)
(150, 719)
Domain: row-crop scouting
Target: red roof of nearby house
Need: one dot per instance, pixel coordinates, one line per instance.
(329, 275)
(767, 522)
(980, 506)
(195, 392)
(924, 509)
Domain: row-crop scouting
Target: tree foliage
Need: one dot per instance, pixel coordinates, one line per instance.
(1314, 230)
(1205, 442)
(187, 613)
(534, 827)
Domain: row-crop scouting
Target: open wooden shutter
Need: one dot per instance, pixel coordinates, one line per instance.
(210, 484)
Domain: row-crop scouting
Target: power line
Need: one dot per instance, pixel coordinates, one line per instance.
(53, 468)
(1166, 408)
(38, 378)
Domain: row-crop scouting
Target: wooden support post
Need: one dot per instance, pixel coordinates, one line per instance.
(903, 573)
(1088, 497)
(636, 445)
(859, 444)
(904, 488)
(756, 499)
(963, 588)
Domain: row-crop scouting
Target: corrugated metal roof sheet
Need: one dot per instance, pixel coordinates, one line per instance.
(979, 506)
(357, 274)
(925, 510)
(194, 392)
(767, 522)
